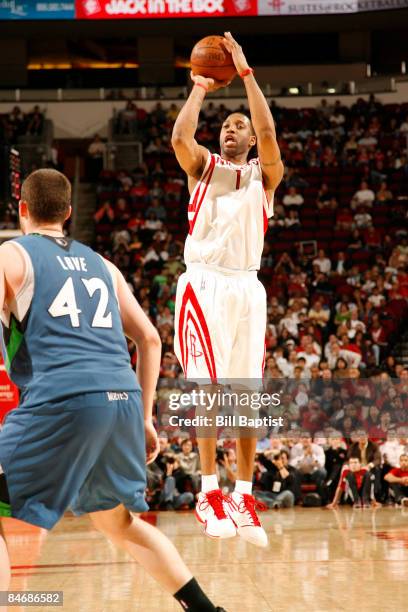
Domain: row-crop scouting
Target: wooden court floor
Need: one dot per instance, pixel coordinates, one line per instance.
(317, 560)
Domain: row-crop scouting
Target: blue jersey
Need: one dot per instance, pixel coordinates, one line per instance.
(63, 333)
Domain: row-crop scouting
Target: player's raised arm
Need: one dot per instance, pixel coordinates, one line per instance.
(261, 117)
(190, 155)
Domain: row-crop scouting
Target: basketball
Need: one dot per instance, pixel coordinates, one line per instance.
(210, 59)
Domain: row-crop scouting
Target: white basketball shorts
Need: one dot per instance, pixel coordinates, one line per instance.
(220, 324)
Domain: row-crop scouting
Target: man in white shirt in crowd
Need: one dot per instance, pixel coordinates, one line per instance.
(392, 449)
(363, 196)
(309, 459)
(322, 262)
(293, 198)
(318, 314)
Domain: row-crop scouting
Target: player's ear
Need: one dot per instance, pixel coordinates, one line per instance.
(252, 141)
(67, 216)
(23, 209)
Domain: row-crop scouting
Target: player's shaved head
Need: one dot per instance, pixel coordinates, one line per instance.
(47, 194)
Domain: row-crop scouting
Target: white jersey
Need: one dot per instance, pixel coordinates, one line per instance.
(228, 216)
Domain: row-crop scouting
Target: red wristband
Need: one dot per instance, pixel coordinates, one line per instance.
(202, 85)
(246, 72)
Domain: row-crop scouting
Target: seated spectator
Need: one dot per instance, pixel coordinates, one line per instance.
(372, 238)
(404, 126)
(105, 213)
(157, 209)
(393, 448)
(171, 497)
(277, 482)
(293, 198)
(35, 121)
(344, 219)
(354, 486)
(323, 262)
(318, 314)
(189, 462)
(309, 460)
(369, 455)
(226, 469)
(363, 220)
(383, 193)
(363, 196)
(397, 478)
(293, 221)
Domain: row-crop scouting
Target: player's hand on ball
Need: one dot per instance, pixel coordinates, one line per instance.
(152, 442)
(210, 84)
(237, 53)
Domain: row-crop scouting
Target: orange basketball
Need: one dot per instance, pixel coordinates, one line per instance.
(211, 59)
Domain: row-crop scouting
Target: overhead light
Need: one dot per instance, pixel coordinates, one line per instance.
(293, 90)
(331, 90)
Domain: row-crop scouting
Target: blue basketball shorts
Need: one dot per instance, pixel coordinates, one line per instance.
(85, 453)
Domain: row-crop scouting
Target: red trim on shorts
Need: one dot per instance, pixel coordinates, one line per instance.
(200, 325)
(199, 197)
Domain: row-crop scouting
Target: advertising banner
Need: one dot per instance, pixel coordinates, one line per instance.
(150, 9)
(36, 9)
(325, 7)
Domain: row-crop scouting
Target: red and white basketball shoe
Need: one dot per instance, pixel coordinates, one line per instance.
(242, 510)
(212, 510)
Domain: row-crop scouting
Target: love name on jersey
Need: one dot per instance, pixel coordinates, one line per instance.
(76, 264)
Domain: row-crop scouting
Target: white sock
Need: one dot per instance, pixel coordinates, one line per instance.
(209, 482)
(243, 486)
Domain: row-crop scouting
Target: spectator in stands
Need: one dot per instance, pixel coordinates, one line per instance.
(354, 486)
(127, 119)
(309, 460)
(363, 196)
(35, 122)
(277, 482)
(157, 209)
(293, 198)
(226, 468)
(323, 262)
(8, 222)
(189, 461)
(96, 152)
(397, 478)
(369, 455)
(394, 447)
(292, 221)
(363, 220)
(319, 315)
(105, 213)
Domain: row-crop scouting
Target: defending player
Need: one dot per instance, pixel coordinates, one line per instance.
(83, 429)
(221, 304)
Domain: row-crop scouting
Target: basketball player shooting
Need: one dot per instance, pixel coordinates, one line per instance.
(83, 430)
(221, 304)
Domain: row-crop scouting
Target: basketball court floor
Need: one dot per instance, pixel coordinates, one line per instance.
(318, 560)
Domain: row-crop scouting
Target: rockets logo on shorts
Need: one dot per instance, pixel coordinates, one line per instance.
(194, 336)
